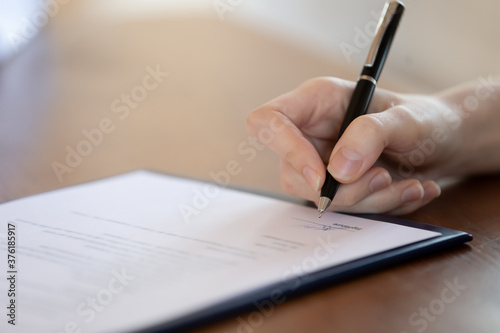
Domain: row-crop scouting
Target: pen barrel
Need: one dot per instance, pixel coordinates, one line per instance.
(330, 186)
(365, 87)
(360, 100)
(358, 106)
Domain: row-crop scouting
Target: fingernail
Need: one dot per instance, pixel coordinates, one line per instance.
(345, 164)
(312, 177)
(438, 188)
(431, 191)
(412, 193)
(380, 181)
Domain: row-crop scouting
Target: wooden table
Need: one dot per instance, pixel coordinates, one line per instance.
(71, 83)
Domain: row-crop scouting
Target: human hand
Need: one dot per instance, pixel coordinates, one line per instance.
(385, 160)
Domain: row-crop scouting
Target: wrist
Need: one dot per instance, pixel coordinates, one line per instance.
(474, 120)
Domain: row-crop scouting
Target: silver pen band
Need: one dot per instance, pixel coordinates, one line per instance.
(368, 78)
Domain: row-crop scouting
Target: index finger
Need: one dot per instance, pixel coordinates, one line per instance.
(298, 124)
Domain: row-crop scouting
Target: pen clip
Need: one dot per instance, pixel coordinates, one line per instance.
(389, 11)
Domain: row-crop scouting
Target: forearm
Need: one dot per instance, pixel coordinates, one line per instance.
(475, 125)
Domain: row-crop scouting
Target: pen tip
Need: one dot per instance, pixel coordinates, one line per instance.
(321, 213)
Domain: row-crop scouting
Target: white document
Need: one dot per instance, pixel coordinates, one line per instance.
(140, 249)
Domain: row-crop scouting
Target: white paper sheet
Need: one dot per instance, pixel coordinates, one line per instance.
(139, 249)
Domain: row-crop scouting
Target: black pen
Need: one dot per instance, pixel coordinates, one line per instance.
(360, 99)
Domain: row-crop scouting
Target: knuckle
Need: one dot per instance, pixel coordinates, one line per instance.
(370, 123)
(412, 122)
(317, 82)
(253, 121)
(399, 116)
(267, 118)
(289, 156)
(370, 127)
(406, 114)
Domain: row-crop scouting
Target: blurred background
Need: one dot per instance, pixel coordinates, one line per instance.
(93, 88)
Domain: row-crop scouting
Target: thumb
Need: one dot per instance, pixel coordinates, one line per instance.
(366, 138)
